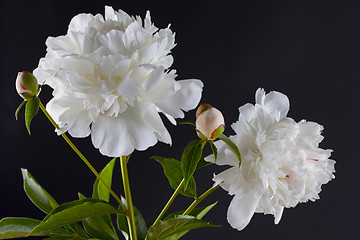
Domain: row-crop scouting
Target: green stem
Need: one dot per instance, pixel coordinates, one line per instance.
(88, 164)
(199, 200)
(168, 204)
(130, 209)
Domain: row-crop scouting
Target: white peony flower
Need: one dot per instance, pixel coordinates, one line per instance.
(110, 78)
(282, 164)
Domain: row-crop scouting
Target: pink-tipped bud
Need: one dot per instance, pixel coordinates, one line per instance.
(210, 122)
(26, 85)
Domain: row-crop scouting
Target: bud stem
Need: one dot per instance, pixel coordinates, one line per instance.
(88, 164)
(168, 204)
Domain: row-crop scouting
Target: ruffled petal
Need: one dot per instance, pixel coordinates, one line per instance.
(76, 121)
(186, 98)
(273, 102)
(153, 80)
(136, 128)
(247, 112)
(226, 178)
(111, 73)
(276, 101)
(82, 21)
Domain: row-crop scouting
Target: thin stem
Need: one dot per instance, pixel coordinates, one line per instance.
(168, 204)
(199, 200)
(88, 164)
(130, 209)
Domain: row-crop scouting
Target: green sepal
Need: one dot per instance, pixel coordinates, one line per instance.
(190, 158)
(122, 223)
(173, 172)
(217, 132)
(232, 146)
(37, 194)
(75, 211)
(201, 135)
(31, 109)
(18, 109)
(17, 227)
(202, 108)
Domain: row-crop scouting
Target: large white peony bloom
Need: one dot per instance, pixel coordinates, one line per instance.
(282, 164)
(110, 78)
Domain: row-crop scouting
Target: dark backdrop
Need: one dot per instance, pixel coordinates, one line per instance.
(308, 50)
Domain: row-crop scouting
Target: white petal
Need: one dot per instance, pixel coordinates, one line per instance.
(129, 88)
(80, 22)
(278, 213)
(247, 111)
(153, 80)
(55, 109)
(110, 14)
(186, 98)
(275, 101)
(113, 40)
(153, 119)
(260, 96)
(63, 45)
(111, 137)
(227, 178)
(242, 208)
(119, 136)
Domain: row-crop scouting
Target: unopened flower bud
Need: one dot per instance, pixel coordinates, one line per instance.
(26, 85)
(210, 122)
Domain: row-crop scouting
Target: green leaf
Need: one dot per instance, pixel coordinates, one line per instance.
(37, 194)
(12, 227)
(75, 211)
(99, 189)
(98, 227)
(61, 238)
(101, 226)
(232, 146)
(31, 109)
(18, 109)
(202, 163)
(173, 172)
(76, 228)
(214, 150)
(190, 158)
(140, 224)
(194, 224)
(163, 229)
(198, 213)
(188, 123)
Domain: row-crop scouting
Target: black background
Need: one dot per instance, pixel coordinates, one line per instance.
(308, 50)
